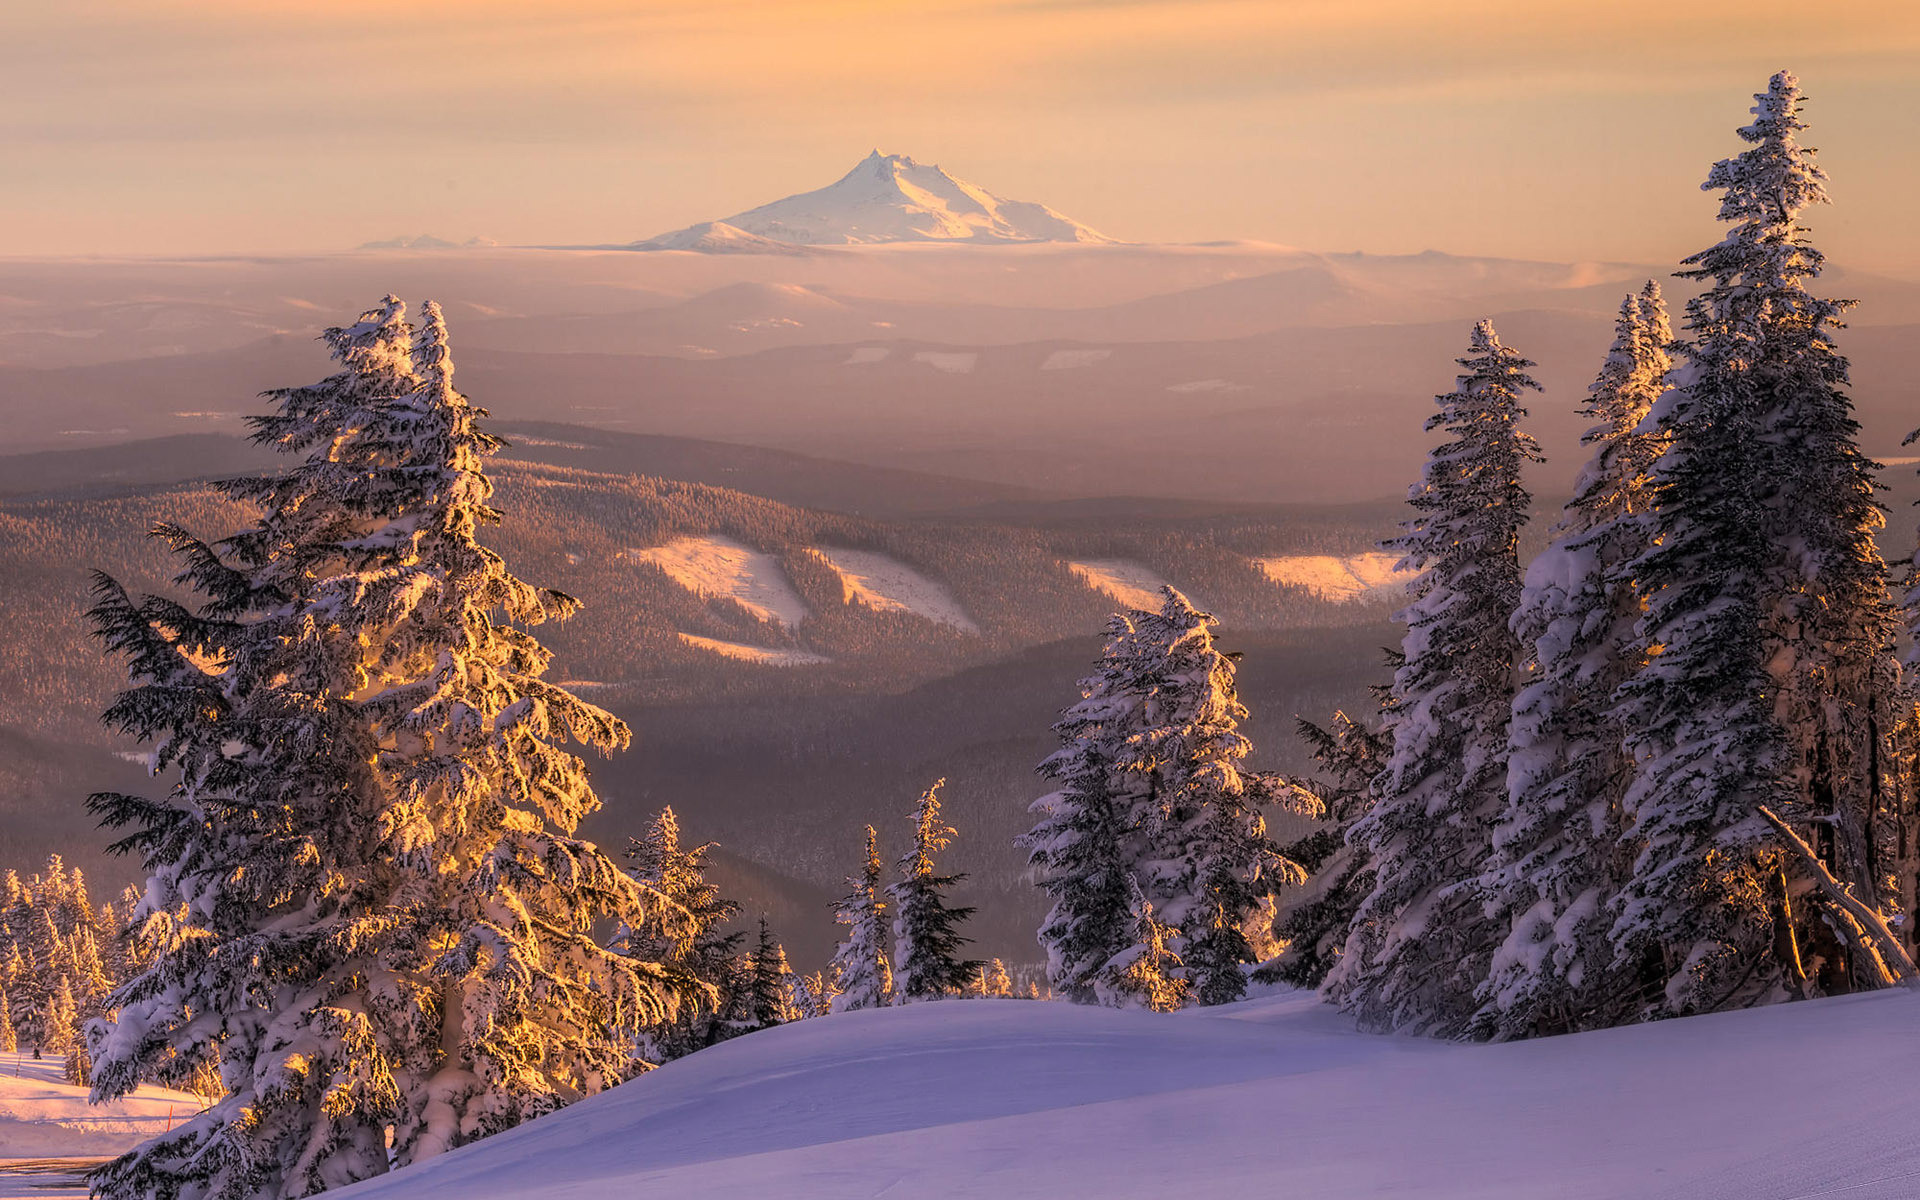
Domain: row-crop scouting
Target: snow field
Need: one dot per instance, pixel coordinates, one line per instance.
(755, 654)
(720, 567)
(1068, 360)
(1342, 578)
(1206, 385)
(1013, 1099)
(887, 585)
(1128, 582)
(957, 362)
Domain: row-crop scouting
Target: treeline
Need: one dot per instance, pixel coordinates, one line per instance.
(60, 959)
(576, 528)
(903, 942)
(1669, 769)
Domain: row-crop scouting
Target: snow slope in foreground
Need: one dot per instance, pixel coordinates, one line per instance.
(1273, 1097)
(42, 1116)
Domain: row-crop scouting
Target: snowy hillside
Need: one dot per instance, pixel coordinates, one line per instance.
(1006, 1099)
(886, 198)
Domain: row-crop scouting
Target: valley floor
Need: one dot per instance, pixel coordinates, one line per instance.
(1275, 1096)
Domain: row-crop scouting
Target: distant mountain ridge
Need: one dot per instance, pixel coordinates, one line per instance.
(886, 198)
(426, 241)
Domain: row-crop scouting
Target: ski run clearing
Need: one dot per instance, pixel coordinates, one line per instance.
(1072, 360)
(1128, 582)
(754, 654)
(1278, 1096)
(721, 567)
(42, 1116)
(887, 585)
(955, 362)
(1369, 576)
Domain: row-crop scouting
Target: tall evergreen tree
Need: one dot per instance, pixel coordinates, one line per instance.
(1085, 838)
(1211, 868)
(685, 930)
(771, 989)
(1420, 942)
(9, 1040)
(364, 899)
(1767, 607)
(1152, 787)
(926, 930)
(1559, 852)
(862, 964)
(995, 982)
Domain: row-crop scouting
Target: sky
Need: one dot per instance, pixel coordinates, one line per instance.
(1522, 128)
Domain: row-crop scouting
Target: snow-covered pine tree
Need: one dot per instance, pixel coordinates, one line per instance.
(813, 994)
(9, 1040)
(1559, 851)
(685, 930)
(1827, 617)
(771, 987)
(364, 898)
(926, 930)
(62, 1019)
(1766, 603)
(1211, 868)
(863, 964)
(1086, 838)
(1147, 974)
(995, 982)
(1314, 925)
(1420, 942)
(1151, 787)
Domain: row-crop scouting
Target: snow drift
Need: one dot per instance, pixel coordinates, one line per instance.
(1278, 1096)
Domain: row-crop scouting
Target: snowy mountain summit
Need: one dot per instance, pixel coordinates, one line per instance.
(886, 198)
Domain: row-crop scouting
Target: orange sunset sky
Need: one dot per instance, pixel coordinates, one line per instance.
(1539, 129)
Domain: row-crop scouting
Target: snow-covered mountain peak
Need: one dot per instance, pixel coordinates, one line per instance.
(885, 198)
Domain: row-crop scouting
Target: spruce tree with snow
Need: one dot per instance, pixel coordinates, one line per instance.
(1211, 868)
(1314, 924)
(926, 929)
(1559, 852)
(994, 980)
(1148, 973)
(1086, 838)
(9, 1040)
(771, 987)
(1420, 942)
(814, 994)
(1828, 621)
(862, 963)
(1152, 787)
(685, 930)
(1766, 602)
(62, 1020)
(364, 900)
